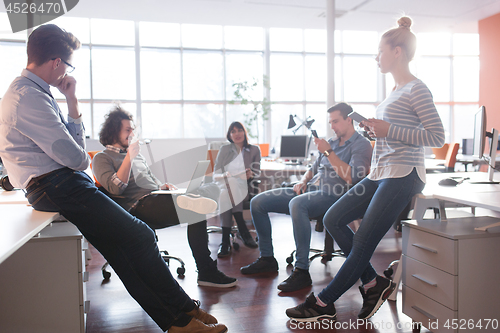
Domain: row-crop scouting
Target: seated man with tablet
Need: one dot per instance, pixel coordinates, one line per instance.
(125, 175)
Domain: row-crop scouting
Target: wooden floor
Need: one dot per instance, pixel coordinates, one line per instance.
(255, 305)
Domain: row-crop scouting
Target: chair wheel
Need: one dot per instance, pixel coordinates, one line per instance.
(236, 246)
(388, 272)
(106, 275)
(289, 260)
(181, 271)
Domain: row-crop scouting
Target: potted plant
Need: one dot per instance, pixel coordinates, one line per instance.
(243, 92)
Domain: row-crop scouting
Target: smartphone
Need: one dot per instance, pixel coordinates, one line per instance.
(356, 116)
(313, 132)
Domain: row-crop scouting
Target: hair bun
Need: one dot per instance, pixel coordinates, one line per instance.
(404, 22)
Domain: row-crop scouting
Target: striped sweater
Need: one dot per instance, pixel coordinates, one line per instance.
(415, 124)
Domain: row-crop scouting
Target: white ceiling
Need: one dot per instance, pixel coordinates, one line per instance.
(428, 15)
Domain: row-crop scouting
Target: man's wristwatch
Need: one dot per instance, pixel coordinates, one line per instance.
(328, 152)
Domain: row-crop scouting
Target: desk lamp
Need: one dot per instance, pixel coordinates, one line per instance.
(307, 123)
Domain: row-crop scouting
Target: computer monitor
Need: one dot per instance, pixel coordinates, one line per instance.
(479, 133)
(293, 147)
(480, 138)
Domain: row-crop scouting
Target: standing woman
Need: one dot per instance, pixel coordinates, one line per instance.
(236, 164)
(407, 121)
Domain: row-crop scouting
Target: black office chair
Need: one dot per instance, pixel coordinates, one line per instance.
(164, 253)
(328, 252)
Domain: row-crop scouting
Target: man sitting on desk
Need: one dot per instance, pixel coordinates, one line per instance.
(125, 175)
(45, 154)
(343, 161)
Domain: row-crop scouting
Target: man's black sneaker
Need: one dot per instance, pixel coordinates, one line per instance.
(299, 279)
(310, 311)
(261, 265)
(374, 297)
(212, 277)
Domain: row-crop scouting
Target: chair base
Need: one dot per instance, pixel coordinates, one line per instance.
(234, 234)
(327, 254)
(166, 257)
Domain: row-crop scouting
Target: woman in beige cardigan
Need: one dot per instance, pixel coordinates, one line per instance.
(235, 165)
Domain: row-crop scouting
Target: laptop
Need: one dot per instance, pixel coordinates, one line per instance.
(194, 183)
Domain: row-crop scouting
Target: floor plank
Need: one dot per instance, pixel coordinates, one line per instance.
(255, 305)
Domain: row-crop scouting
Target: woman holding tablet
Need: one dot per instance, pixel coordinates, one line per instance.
(235, 165)
(406, 122)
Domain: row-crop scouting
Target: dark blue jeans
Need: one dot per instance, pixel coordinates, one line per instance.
(379, 203)
(126, 242)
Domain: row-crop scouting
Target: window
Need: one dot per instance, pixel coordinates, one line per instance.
(12, 60)
(201, 36)
(435, 73)
(185, 74)
(112, 32)
(315, 77)
(161, 74)
(162, 120)
(113, 73)
(287, 77)
(360, 42)
(241, 67)
(203, 120)
(203, 75)
(286, 39)
(360, 79)
(244, 38)
(5, 30)
(160, 34)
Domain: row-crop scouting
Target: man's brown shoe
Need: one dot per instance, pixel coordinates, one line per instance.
(196, 326)
(201, 315)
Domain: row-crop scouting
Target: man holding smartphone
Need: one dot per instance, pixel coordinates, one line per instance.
(343, 161)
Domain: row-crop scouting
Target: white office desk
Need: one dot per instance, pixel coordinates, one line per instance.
(274, 173)
(474, 195)
(13, 197)
(42, 271)
(18, 225)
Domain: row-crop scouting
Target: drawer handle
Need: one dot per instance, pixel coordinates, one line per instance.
(425, 313)
(425, 248)
(424, 280)
(85, 276)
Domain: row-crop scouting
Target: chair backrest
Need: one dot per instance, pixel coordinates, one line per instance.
(211, 156)
(451, 157)
(264, 149)
(440, 153)
(92, 154)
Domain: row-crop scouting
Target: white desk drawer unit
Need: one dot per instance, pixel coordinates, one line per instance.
(449, 274)
(46, 279)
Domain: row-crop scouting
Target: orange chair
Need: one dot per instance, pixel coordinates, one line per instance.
(211, 156)
(451, 157)
(440, 153)
(92, 154)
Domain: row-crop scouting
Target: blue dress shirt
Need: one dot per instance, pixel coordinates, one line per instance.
(34, 136)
